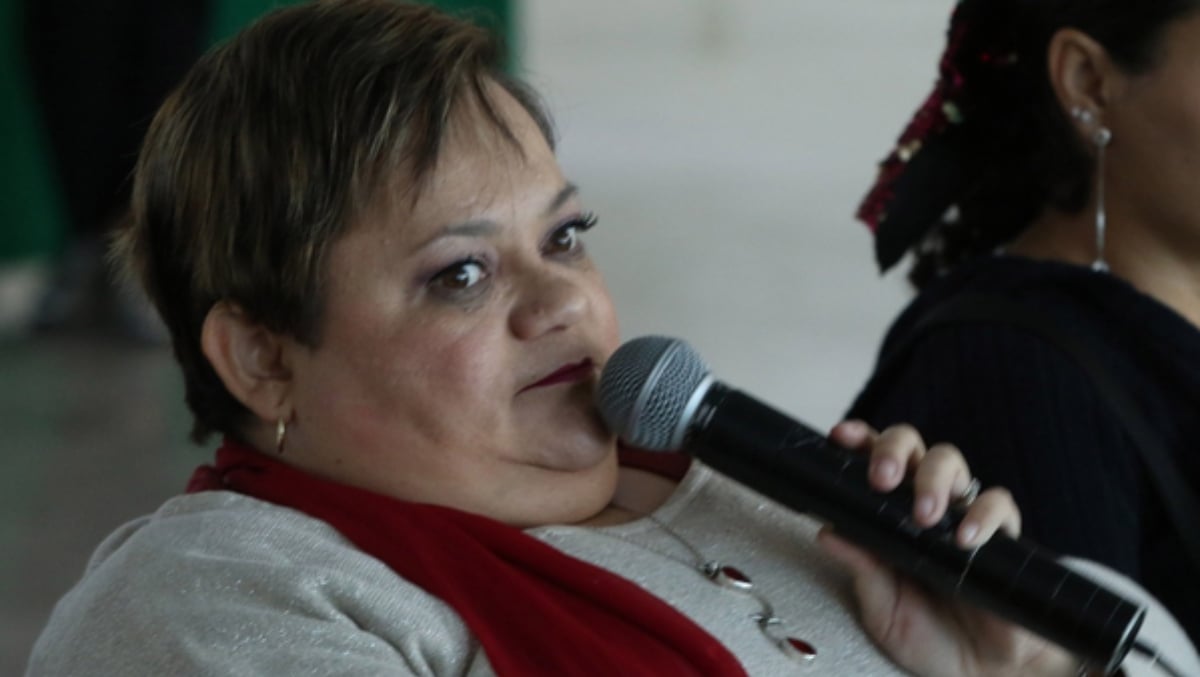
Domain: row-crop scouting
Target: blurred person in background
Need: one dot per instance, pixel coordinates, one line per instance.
(99, 70)
(1047, 191)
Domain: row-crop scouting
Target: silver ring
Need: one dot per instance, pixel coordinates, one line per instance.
(968, 496)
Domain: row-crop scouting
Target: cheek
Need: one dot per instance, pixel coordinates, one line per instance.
(1167, 119)
(439, 366)
(421, 397)
(455, 372)
(1161, 157)
(605, 313)
(1177, 128)
(385, 366)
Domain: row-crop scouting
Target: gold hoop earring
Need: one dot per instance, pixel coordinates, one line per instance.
(280, 435)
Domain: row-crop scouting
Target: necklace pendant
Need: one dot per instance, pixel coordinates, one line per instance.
(730, 577)
(798, 649)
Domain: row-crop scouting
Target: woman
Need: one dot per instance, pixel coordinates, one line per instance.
(1047, 192)
(370, 262)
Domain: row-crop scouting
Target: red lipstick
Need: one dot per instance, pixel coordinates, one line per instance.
(570, 373)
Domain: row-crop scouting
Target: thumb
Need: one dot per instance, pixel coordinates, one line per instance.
(875, 585)
(860, 562)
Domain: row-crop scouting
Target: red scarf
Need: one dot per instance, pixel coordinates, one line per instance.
(533, 609)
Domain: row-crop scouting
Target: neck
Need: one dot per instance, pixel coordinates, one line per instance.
(639, 493)
(1057, 237)
(1160, 269)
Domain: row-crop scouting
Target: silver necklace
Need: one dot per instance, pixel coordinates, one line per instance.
(732, 578)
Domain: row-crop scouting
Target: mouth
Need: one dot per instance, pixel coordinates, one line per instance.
(569, 373)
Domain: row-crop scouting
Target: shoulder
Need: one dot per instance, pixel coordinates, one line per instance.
(219, 582)
(223, 535)
(1021, 345)
(1099, 305)
(975, 372)
(1068, 294)
(1011, 396)
(998, 329)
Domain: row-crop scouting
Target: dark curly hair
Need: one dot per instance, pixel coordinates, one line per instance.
(1015, 152)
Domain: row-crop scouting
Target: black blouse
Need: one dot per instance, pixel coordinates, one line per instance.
(1028, 418)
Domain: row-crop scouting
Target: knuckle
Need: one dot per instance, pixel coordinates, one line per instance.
(1002, 495)
(905, 431)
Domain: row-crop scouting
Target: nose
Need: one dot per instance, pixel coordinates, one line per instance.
(550, 300)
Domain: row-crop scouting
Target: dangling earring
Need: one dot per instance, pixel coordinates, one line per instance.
(280, 435)
(1101, 136)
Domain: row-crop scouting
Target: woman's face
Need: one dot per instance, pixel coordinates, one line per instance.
(1154, 160)
(462, 339)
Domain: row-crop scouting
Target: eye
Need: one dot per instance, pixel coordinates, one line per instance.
(566, 238)
(460, 276)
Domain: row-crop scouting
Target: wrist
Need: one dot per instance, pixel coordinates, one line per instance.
(1054, 661)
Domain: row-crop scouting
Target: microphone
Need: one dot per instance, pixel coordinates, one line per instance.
(657, 394)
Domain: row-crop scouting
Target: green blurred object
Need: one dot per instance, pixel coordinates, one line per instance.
(231, 15)
(32, 220)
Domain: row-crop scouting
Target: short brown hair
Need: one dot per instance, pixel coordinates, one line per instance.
(271, 146)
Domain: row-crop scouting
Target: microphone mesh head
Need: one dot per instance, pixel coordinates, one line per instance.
(645, 390)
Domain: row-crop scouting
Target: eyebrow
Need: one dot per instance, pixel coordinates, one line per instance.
(568, 191)
(485, 227)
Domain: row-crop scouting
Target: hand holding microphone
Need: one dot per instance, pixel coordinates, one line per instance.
(657, 394)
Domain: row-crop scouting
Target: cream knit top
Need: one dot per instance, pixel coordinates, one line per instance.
(217, 583)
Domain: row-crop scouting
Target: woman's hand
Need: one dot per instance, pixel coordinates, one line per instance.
(924, 632)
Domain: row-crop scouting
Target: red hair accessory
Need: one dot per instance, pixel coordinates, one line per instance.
(940, 112)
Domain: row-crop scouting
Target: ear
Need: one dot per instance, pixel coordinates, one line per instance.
(1083, 77)
(249, 359)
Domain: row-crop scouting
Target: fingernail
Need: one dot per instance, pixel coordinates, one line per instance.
(925, 506)
(853, 428)
(886, 469)
(967, 533)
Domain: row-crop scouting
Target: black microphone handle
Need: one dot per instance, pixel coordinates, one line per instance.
(789, 462)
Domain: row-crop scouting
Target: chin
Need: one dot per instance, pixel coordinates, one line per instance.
(581, 464)
(586, 452)
(574, 443)
(580, 502)
(563, 497)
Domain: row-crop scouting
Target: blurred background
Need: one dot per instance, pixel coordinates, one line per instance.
(724, 144)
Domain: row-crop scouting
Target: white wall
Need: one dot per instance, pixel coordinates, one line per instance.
(724, 146)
